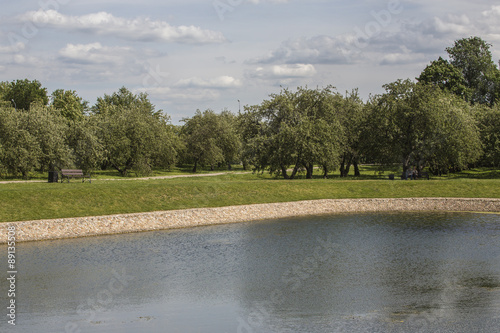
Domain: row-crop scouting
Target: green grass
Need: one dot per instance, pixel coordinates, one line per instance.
(28, 201)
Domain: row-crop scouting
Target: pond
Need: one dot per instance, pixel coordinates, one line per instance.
(385, 272)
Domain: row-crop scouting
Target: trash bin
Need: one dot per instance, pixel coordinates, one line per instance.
(53, 176)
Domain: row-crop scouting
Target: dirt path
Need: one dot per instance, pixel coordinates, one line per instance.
(139, 178)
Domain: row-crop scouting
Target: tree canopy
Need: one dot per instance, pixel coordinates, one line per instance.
(471, 72)
(22, 93)
(447, 121)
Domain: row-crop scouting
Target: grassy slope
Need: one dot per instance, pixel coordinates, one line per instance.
(26, 201)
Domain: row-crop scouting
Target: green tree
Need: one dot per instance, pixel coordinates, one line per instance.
(33, 140)
(136, 139)
(49, 129)
(135, 136)
(123, 98)
(353, 117)
(489, 127)
(446, 76)
(69, 104)
(87, 150)
(296, 129)
(25, 92)
(472, 56)
(21, 151)
(229, 139)
(210, 138)
(421, 125)
(249, 126)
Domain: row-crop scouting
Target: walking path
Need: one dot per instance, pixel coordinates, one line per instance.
(139, 178)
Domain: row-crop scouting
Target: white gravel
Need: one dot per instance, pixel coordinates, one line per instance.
(125, 223)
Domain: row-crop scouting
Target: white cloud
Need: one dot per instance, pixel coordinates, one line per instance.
(221, 82)
(286, 74)
(297, 70)
(137, 29)
(93, 53)
(20, 46)
(410, 42)
(451, 24)
(493, 12)
(27, 61)
(402, 58)
(172, 95)
(314, 50)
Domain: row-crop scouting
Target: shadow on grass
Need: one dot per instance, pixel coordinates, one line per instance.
(479, 173)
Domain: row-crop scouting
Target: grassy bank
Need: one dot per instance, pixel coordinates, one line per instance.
(28, 201)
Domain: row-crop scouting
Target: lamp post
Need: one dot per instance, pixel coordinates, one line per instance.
(239, 106)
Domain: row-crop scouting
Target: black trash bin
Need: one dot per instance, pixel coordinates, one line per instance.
(53, 176)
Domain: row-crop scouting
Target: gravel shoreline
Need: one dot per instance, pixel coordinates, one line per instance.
(126, 223)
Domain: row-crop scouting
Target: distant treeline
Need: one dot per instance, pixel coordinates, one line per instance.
(447, 121)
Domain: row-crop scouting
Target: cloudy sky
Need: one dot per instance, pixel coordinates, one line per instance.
(200, 54)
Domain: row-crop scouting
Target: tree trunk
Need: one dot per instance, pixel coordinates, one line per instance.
(342, 167)
(123, 172)
(309, 168)
(347, 168)
(357, 173)
(195, 166)
(229, 166)
(284, 172)
(325, 172)
(295, 170)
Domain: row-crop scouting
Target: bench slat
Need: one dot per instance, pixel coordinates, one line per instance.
(74, 173)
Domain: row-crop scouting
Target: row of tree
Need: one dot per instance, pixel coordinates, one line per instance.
(447, 121)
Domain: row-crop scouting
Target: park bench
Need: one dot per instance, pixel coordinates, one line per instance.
(74, 173)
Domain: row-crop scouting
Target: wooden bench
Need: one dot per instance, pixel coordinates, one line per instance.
(74, 173)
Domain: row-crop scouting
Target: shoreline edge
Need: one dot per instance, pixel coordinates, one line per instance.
(174, 219)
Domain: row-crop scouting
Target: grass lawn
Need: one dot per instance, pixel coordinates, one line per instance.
(27, 201)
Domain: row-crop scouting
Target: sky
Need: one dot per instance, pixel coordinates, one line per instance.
(225, 54)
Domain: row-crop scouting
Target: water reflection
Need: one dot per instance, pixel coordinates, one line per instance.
(343, 273)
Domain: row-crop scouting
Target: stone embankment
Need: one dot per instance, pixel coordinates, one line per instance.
(126, 223)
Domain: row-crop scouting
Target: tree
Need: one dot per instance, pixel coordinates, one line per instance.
(229, 139)
(49, 129)
(87, 150)
(32, 140)
(136, 139)
(123, 98)
(69, 104)
(445, 76)
(135, 136)
(25, 92)
(20, 150)
(421, 125)
(353, 118)
(472, 56)
(210, 138)
(296, 129)
(489, 127)
(249, 126)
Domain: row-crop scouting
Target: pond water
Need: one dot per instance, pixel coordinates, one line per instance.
(400, 272)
